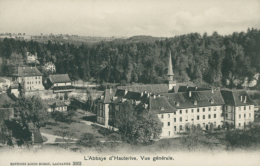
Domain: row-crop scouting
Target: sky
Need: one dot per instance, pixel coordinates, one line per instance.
(162, 18)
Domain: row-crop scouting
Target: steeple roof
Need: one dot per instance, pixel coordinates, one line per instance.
(170, 72)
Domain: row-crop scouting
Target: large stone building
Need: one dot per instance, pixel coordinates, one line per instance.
(30, 77)
(179, 105)
(238, 109)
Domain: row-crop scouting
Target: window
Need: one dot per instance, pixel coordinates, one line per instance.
(215, 108)
(39, 77)
(191, 110)
(239, 116)
(162, 116)
(239, 124)
(35, 77)
(174, 112)
(249, 107)
(203, 109)
(174, 128)
(35, 82)
(169, 133)
(180, 111)
(239, 108)
(198, 117)
(39, 82)
(203, 116)
(198, 110)
(209, 109)
(186, 111)
(249, 115)
(180, 127)
(162, 124)
(169, 124)
(180, 119)
(209, 116)
(169, 115)
(215, 115)
(27, 82)
(244, 107)
(215, 124)
(174, 119)
(203, 125)
(244, 115)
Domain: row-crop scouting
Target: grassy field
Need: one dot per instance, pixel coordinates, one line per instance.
(77, 128)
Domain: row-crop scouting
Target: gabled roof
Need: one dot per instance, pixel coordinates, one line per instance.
(108, 94)
(203, 99)
(59, 78)
(237, 97)
(154, 88)
(27, 71)
(160, 105)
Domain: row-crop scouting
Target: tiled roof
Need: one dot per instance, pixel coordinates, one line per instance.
(160, 105)
(28, 71)
(59, 78)
(234, 97)
(154, 88)
(188, 88)
(108, 94)
(203, 99)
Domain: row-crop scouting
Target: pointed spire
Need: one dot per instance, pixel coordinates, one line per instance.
(170, 72)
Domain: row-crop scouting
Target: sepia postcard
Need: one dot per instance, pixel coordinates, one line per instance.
(129, 82)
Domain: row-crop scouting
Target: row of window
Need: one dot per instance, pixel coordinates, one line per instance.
(244, 115)
(239, 108)
(34, 77)
(198, 117)
(32, 82)
(198, 110)
(181, 127)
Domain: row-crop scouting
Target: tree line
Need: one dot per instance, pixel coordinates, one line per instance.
(204, 59)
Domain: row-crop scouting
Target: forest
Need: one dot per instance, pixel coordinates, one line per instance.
(206, 60)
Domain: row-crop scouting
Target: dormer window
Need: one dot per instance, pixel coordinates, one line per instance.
(177, 104)
(162, 108)
(195, 102)
(211, 101)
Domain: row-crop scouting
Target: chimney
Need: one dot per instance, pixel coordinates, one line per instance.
(241, 98)
(154, 96)
(189, 93)
(126, 91)
(142, 93)
(212, 90)
(187, 87)
(196, 88)
(245, 100)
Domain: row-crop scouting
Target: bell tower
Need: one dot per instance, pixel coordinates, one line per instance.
(171, 82)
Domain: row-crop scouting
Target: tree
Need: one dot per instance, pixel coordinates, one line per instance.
(30, 112)
(67, 137)
(193, 138)
(125, 118)
(147, 127)
(88, 140)
(58, 116)
(70, 114)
